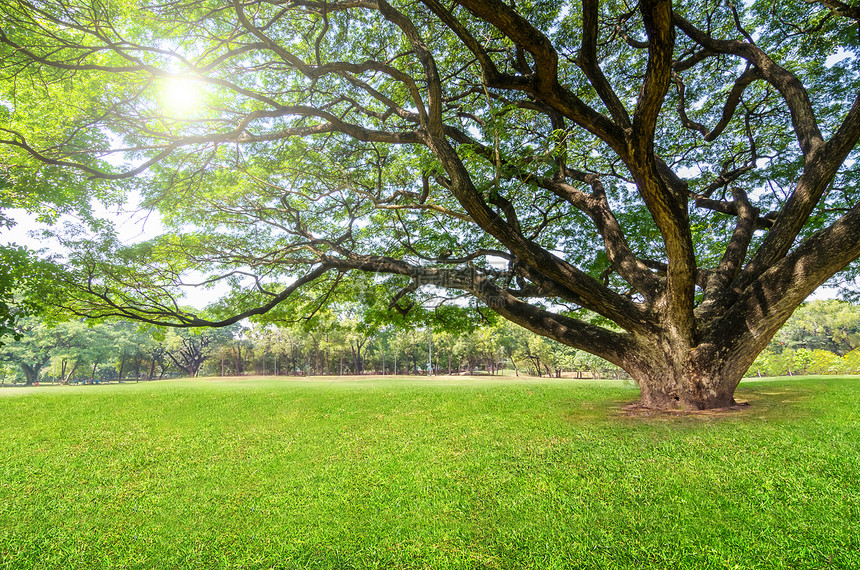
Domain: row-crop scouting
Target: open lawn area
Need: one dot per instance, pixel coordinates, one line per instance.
(426, 473)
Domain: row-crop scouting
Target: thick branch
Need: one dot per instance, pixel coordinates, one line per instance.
(587, 61)
(594, 205)
(666, 203)
(524, 35)
(764, 305)
(792, 90)
(737, 247)
(491, 74)
(543, 83)
(159, 315)
(607, 344)
(433, 114)
(732, 100)
(731, 209)
(612, 346)
(657, 17)
(813, 183)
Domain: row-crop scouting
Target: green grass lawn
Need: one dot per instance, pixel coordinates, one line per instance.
(406, 473)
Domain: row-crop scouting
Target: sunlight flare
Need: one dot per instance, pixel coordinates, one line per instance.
(181, 96)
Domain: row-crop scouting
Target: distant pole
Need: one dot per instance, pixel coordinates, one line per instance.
(429, 350)
(395, 363)
(383, 363)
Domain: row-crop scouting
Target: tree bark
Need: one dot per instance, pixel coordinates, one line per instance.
(31, 373)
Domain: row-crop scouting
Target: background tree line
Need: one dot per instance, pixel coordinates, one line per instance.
(337, 341)
(822, 337)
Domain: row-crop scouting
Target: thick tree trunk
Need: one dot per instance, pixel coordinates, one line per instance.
(692, 391)
(536, 364)
(31, 373)
(317, 367)
(698, 379)
(70, 375)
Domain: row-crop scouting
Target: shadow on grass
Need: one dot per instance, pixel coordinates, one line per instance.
(757, 399)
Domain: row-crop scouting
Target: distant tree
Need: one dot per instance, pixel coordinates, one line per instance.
(538, 352)
(14, 265)
(410, 347)
(156, 353)
(598, 366)
(32, 349)
(187, 349)
(129, 345)
(358, 334)
(801, 360)
(89, 351)
(851, 362)
(824, 362)
(443, 348)
(763, 365)
(563, 357)
(829, 325)
(61, 349)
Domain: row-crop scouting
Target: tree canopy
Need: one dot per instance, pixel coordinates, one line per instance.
(657, 183)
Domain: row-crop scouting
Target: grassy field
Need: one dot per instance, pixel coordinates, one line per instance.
(428, 473)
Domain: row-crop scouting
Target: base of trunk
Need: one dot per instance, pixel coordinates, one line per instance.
(687, 392)
(685, 401)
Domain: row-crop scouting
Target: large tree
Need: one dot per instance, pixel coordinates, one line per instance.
(660, 184)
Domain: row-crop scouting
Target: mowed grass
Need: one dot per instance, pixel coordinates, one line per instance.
(404, 473)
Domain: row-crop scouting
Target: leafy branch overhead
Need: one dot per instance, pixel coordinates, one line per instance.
(681, 170)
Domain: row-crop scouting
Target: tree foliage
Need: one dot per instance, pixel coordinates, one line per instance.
(831, 325)
(659, 184)
(821, 337)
